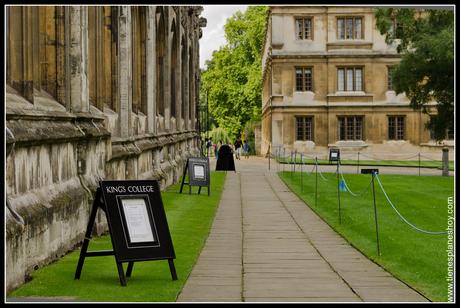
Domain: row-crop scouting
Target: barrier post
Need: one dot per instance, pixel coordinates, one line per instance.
(316, 179)
(445, 161)
(375, 215)
(269, 154)
(418, 163)
(284, 155)
(301, 176)
(357, 168)
(295, 159)
(338, 193)
(290, 164)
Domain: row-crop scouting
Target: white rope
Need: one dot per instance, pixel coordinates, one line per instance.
(404, 219)
(322, 176)
(349, 190)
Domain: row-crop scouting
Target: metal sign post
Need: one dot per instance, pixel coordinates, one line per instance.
(316, 179)
(338, 193)
(373, 172)
(301, 171)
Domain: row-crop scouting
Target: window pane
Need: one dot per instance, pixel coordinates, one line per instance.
(359, 128)
(299, 28)
(308, 129)
(308, 79)
(450, 133)
(349, 28)
(349, 79)
(350, 128)
(390, 79)
(358, 29)
(300, 132)
(298, 79)
(400, 128)
(358, 79)
(340, 79)
(341, 28)
(391, 128)
(308, 29)
(342, 128)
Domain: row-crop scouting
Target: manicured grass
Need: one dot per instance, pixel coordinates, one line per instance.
(189, 218)
(390, 163)
(416, 258)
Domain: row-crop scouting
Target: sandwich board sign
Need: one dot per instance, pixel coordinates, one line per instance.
(198, 174)
(334, 155)
(137, 224)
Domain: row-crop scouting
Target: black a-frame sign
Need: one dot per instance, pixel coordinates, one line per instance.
(137, 225)
(198, 174)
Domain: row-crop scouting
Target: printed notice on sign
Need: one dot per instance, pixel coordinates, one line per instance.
(199, 171)
(137, 220)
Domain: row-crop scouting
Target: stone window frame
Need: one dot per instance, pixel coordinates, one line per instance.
(353, 17)
(29, 74)
(354, 68)
(304, 18)
(390, 68)
(449, 135)
(353, 134)
(304, 79)
(307, 124)
(139, 17)
(102, 87)
(396, 127)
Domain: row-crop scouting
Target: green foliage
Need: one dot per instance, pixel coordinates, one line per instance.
(233, 76)
(250, 136)
(220, 134)
(425, 39)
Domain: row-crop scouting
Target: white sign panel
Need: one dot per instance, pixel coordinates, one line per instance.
(137, 220)
(199, 171)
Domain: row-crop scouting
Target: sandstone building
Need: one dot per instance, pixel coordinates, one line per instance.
(92, 92)
(327, 83)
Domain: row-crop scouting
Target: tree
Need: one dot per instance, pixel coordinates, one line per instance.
(425, 39)
(233, 76)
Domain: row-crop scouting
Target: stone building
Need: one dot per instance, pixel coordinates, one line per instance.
(92, 92)
(327, 83)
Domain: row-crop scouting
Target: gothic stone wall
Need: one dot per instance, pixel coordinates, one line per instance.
(92, 93)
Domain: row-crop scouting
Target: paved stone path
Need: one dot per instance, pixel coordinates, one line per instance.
(265, 245)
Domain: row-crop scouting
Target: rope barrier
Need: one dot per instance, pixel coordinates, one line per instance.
(402, 217)
(322, 176)
(349, 190)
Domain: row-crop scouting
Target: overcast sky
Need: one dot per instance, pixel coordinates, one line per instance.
(213, 33)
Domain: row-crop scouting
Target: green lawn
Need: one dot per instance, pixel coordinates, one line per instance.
(418, 259)
(391, 163)
(189, 218)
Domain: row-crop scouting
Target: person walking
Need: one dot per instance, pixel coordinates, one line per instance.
(209, 146)
(246, 148)
(238, 144)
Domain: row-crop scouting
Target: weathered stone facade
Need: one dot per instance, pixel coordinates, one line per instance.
(92, 92)
(326, 66)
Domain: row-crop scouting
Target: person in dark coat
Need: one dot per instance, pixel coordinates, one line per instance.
(225, 160)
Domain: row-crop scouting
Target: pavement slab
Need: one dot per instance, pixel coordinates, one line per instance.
(266, 245)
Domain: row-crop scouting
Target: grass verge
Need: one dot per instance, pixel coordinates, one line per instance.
(189, 218)
(416, 258)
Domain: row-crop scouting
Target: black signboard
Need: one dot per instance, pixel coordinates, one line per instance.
(225, 160)
(198, 174)
(369, 171)
(137, 224)
(334, 155)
